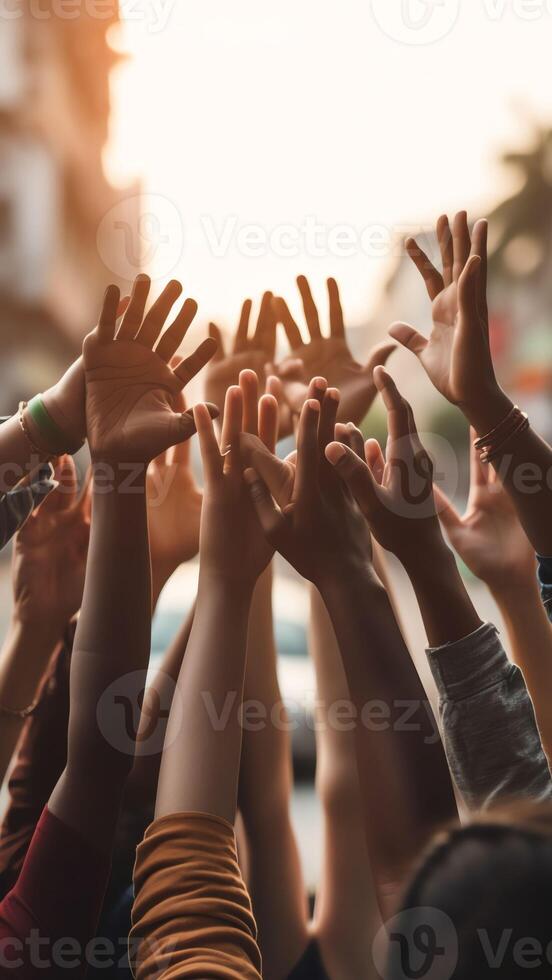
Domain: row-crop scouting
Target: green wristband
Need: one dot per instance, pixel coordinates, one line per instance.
(53, 436)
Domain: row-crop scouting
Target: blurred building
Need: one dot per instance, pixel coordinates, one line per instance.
(54, 119)
(520, 293)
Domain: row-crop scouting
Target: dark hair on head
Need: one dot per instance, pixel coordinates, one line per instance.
(488, 888)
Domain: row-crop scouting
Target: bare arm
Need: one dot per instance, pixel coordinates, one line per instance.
(457, 359)
(130, 394)
(206, 708)
(404, 777)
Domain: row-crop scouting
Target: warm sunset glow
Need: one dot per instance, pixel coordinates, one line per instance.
(273, 115)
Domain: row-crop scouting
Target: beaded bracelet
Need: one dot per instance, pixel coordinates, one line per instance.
(490, 446)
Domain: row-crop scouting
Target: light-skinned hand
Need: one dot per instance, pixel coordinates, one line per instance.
(131, 391)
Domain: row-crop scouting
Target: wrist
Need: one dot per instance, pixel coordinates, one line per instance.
(515, 592)
(347, 578)
(39, 633)
(431, 560)
(109, 476)
(490, 408)
(220, 583)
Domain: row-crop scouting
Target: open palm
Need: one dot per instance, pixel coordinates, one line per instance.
(488, 537)
(328, 357)
(456, 356)
(131, 391)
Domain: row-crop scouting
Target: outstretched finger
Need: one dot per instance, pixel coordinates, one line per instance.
(375, 459)
(268, 421)
(328, 417)
(216, 335)
(240, 340)
(468, 295)
(479, 247)
(174, 335)
(265, 334)
(461, 243)
(283, 316)
(190, 366)
(307, 450)
(108, 315)
(135, 311)
(154, 320)
(210, 452)
(309, 306)
(444, 237)
(355, 473)
(379, 355)
(337, 323)
(249, 384)
(398, 419)
(433, 279)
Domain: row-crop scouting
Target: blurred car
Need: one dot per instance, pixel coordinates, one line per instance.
(295, 670)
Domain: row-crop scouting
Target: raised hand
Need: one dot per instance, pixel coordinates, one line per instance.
(395, 493)
(457, 355)
(49, 557)
(248, 351)
(304, 511)
(131, 390)
(329, 357)
(489, 537)
(233, 547)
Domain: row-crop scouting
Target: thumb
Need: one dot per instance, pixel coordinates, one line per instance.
(355, 473)
(184, 423)
(408, 337)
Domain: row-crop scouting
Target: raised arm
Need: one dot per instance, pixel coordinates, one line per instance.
(130, 391)
(404, 779)
(491, 541)
(457, 359)
(492, 741)
(192, 910)
(48, 565)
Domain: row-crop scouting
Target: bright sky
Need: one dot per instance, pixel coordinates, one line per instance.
(276, 114)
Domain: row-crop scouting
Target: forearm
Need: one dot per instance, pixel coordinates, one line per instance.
(403, 772)
(201, 758)
(24, 657)
(142, 783)
(524, 466)
(530, 634)
(266, 770)
(109, 664)
(446, 608)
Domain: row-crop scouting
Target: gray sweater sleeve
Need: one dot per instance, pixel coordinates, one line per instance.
(490, 734)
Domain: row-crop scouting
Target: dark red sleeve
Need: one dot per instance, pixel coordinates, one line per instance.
(40, 760)
(52, 912)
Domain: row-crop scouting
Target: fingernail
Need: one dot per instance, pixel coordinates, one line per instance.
(335, 453)
(313, 405)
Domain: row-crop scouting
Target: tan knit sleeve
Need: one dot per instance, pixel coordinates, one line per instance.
(192, 914)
